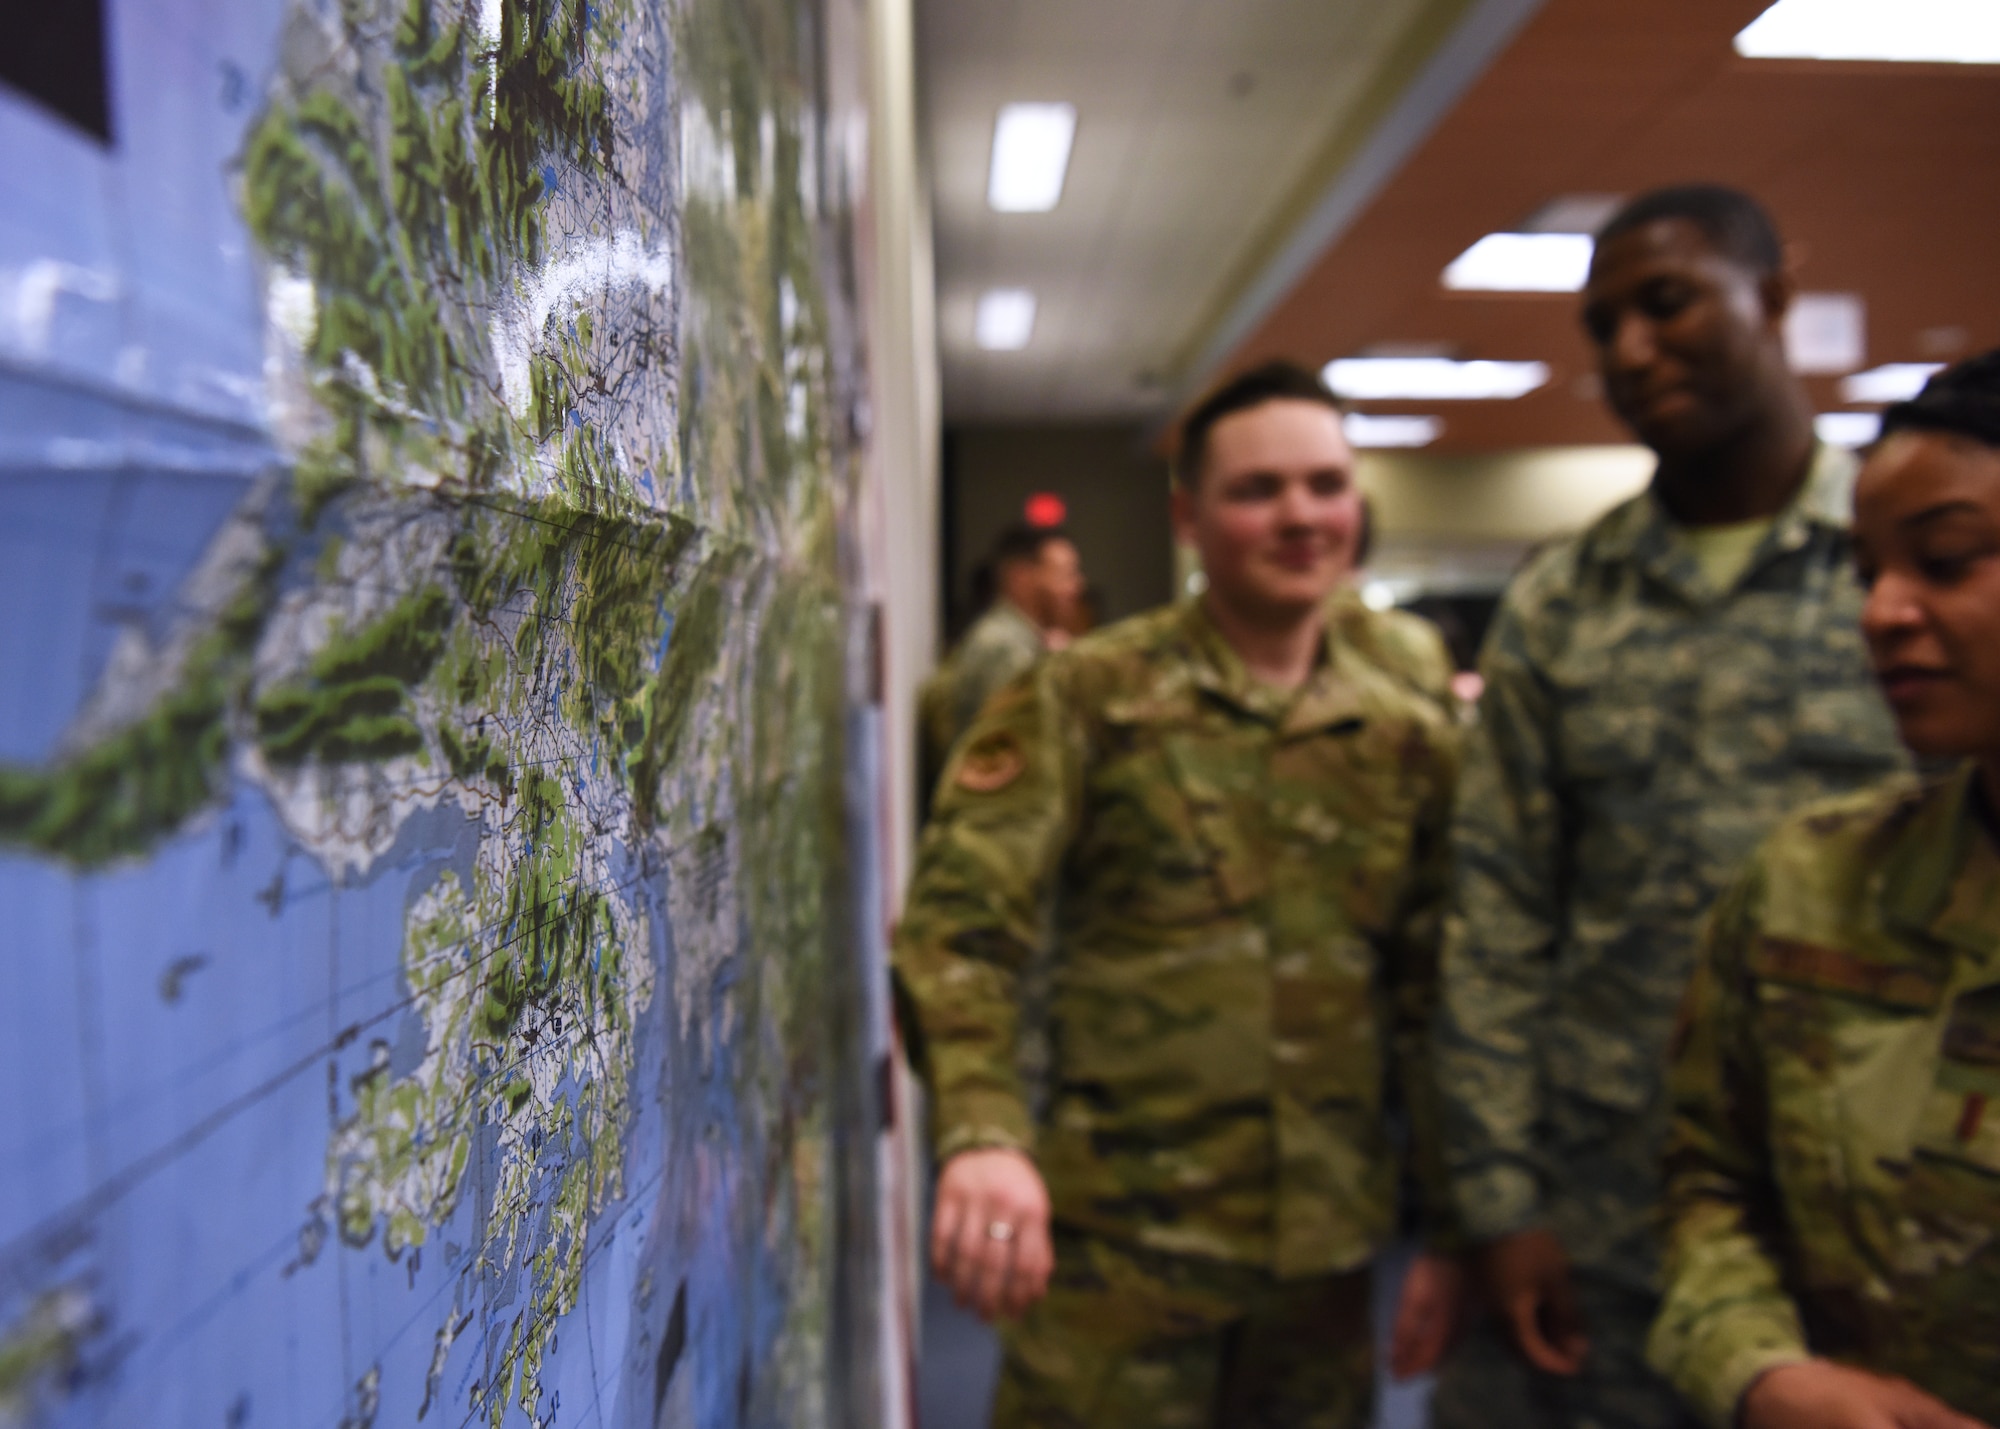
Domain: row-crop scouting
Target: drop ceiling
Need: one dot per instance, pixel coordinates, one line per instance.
(1200, 127)
(1283, 177)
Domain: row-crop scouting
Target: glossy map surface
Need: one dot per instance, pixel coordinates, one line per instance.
(423, 685)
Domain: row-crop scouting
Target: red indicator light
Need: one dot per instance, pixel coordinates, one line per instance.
(1045, 508)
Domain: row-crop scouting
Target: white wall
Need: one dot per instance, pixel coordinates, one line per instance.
(899, 575)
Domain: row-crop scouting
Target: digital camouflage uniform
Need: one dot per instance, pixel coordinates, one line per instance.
(1002, 645)
(1639, 734)
(1246, 888)
(1834, 1163)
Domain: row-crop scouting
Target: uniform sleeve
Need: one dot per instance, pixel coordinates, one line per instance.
(1415, 961)
(973, 684)
(1005, 810)
(1499, 942)
(1726, 1317)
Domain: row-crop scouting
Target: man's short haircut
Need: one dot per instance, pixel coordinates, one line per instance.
(1736, 224)
(1963, 400)
(1022, 542)
(1279, 381)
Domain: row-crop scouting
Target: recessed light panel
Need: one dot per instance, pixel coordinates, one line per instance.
(1522, 263)
(1848, 429)
(1005, 320)
(1431, 379)
(1891, 382)
(1367, 429)
(1934, 31)
(1826, 332)
(1031, 144)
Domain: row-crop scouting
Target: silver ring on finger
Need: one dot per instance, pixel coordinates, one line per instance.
(1000, 1231)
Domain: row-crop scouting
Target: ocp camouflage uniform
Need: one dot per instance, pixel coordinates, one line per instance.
(1399, 641)
(1246, 888)
(1834, 1164)
(1639, 734)
(1002, 645)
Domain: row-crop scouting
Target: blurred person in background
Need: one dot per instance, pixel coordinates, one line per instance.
(1038, 583)
(1834, 1172)
(1083, 615)
(1240, 822)
(1659, 691)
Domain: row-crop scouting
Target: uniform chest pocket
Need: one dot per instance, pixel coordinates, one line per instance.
(1342, 811)
(1609, 751)
(1609, 742)
(1846, 1041)
(1166, 843)
(1960, 1126)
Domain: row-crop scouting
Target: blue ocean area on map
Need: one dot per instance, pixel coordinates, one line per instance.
(425, 862)
(209, 1251)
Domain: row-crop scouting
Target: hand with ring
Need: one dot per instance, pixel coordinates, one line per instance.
(990, 1232)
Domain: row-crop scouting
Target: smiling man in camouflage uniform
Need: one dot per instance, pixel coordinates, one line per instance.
(1240, 823)
(1659, 691)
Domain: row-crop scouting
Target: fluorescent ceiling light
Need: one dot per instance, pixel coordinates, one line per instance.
(1848, 429)
(1365, 429)
(1005, 321)
(1031, 145)
(1522, 263)
(1891, 382)
(1939, 31)
(1431, 379)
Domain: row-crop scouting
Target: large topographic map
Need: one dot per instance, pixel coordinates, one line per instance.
(431, 990)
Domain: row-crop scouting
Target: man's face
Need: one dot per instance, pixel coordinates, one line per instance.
(1058, 583)
(1274, 513)
(1688, 340)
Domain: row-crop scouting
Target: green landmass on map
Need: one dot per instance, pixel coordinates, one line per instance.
(557, 548)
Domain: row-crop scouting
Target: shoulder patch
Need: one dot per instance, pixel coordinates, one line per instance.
(1836, 970)
(991, 763)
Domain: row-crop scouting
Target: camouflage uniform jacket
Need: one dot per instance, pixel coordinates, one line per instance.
(1639, 735)
(1000, 646)
(1400, 641)
(1247, 890)
(1834, 1167)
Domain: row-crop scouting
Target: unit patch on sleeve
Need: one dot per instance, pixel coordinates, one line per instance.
(992, 763)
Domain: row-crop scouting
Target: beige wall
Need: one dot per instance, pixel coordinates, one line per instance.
(1509, 496)
(1449, 523)
(1115, 488)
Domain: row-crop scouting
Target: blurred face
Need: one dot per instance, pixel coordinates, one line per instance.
(1274, 513)
(1688, 341)
(1059, 582)
(1927, 548)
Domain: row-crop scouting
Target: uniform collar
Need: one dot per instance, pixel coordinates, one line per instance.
(1004, 612)
(1926, 880)
(1328, 697)
(1642, 531)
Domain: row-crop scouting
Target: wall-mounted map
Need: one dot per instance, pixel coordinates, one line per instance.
(430, 984)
